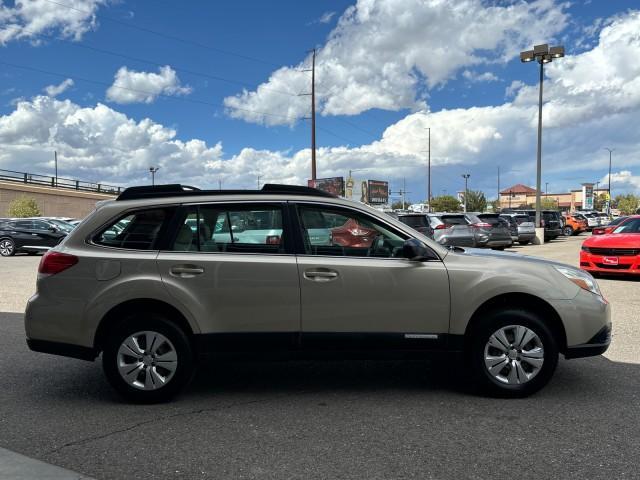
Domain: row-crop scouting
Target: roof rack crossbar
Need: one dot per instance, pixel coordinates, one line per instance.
(177, 190)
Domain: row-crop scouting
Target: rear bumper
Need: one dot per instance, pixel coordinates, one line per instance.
(62, 349)
(552, 232)
(602, 264)
(526, 237)
(596, 346)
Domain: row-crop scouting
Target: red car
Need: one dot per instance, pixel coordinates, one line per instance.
(617, 252)
(604, 230)
(352, 234)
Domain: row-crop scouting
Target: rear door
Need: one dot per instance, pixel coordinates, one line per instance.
(232, 265)
(48, 235)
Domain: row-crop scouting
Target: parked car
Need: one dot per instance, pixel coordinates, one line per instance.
(551, 221)
(573, 225)
(512, 225)
(592, 218)
(151, 307)
(526, 227)
(417, 221)
(604, 219)
(617, 252)
(29, 236)
(610, 227)
(468, 230)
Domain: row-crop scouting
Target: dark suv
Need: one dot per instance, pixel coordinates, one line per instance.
(417, 221)
(27, 235)
(551, 221)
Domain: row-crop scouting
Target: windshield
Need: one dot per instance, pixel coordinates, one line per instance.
(632, 226)
(67, 227)
(415, 220)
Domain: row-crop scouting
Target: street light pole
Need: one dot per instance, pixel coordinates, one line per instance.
(153, 171)
(466, 178)
(429, 172)
(610, 198)
(542, 54)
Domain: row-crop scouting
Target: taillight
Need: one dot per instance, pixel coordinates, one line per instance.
(442, 226)
(481, 225)
(56, 262)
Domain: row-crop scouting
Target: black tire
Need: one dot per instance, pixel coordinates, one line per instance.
(152, 322)
(497, 248)
(7, 247)
(567, 231)
(524, 242)
(475, 355)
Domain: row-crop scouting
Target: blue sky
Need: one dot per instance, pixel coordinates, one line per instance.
(374, 105)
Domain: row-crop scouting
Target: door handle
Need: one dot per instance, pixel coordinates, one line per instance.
(320, 275)
(186, 271)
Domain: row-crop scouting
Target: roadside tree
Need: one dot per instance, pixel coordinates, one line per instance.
(627, 204)
(445, 203)
(476, 201)
(23, 207)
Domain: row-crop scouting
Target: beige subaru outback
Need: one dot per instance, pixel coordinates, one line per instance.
(164, 275)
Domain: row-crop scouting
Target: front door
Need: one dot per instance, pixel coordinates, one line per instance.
(357, 290)
(232, 267)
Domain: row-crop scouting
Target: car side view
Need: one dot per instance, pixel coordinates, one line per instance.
(29, 236)
(164, 275)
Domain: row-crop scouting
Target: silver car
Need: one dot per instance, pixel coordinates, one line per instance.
(526, 227)
(155, 294)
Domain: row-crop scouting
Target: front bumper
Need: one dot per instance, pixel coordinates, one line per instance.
(627, 265)
(597, 345)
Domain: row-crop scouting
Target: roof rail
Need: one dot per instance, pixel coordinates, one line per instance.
(177, 190)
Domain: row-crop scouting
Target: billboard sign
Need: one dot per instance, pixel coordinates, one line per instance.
(378, 192)
(333, 185)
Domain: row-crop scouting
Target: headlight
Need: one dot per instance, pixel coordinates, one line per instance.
(581, 279)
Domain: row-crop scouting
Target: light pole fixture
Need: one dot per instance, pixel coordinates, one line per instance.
(466, 179)
(152, 171)
(610, 150)
(542, 54)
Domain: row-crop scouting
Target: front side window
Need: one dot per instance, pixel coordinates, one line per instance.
(341, 232)
(231, 229)
(136, 231)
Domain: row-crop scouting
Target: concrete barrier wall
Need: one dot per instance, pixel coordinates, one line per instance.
(53, 202)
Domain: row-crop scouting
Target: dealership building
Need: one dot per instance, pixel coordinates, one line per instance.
(522, 195)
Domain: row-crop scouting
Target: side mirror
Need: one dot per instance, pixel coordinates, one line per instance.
(415, 251)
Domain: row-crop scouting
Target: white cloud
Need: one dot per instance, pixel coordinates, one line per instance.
(622, 179)
(586, 108)
(512, 89)
(27, 19)
(381, 52)
(130, 86)
(326, 17)
(55, 90)
(479, 77)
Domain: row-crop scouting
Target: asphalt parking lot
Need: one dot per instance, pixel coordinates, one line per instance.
(326, 420)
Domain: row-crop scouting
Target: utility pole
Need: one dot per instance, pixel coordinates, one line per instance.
(402, 192)
(610, 197)
(259, 177)
(55, 160)
(219, 184)
(546, 188)
(313, 112)
(466, 178)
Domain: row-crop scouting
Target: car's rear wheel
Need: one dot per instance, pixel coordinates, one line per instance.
(7, 247)
(568, 231)
(512, 353)
(147, 358)
(524, 242)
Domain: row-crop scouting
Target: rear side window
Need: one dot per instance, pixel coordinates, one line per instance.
(491, 219)
(135, 231)
(231, 229)
(453, 220)
(415, 221)
(523, 219)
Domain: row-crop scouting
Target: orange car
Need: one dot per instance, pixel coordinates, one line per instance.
(573, 226)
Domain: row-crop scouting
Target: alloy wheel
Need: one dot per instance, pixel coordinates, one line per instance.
(6, 248)
(147, 360)
(513, 355)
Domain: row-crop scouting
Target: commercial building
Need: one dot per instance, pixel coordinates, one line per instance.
(521, 195)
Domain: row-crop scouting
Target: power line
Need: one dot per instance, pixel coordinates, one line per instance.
(183, 99)
(165, 35)
(159, 64)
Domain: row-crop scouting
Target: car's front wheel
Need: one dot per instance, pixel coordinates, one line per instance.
(7, 247)
(512, 353)
(148, 358)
